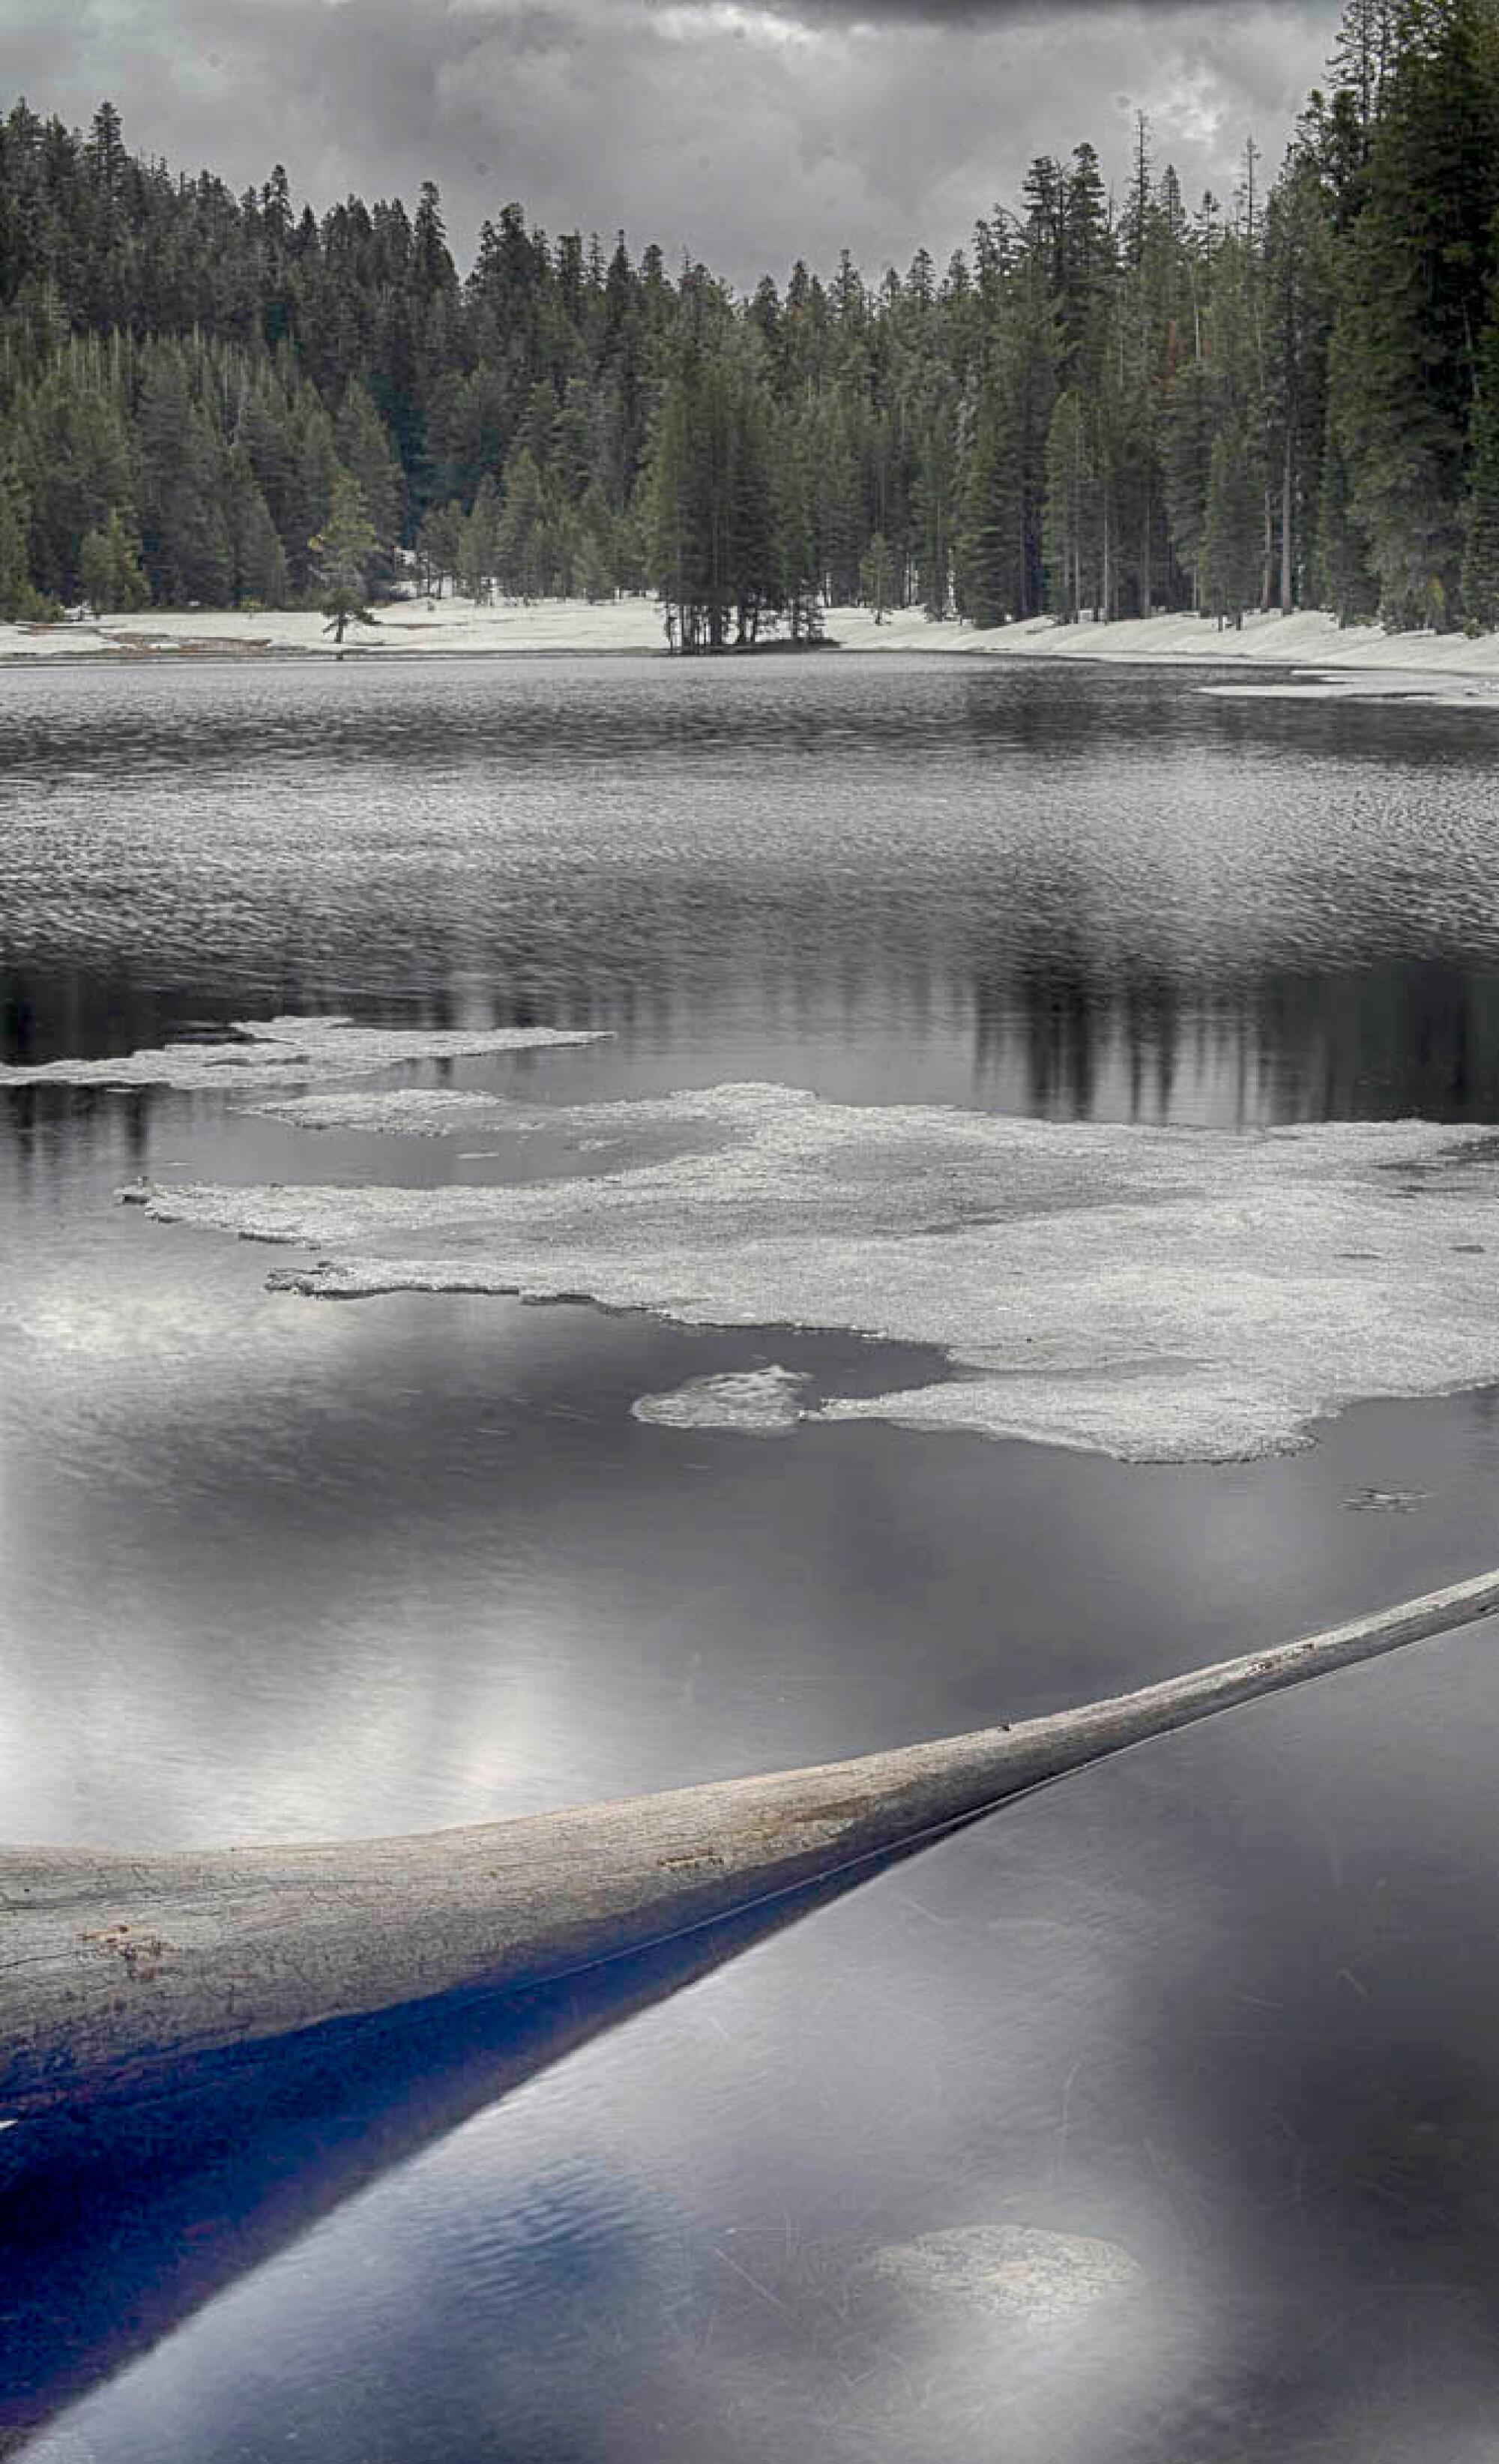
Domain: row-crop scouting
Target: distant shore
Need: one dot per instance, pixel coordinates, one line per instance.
(1468, 670)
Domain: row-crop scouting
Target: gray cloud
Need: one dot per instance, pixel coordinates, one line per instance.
(962, 14)
(746, 131)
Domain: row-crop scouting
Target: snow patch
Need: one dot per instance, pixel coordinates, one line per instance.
(1159, 1294)
(279, 1051)
(756, 1402)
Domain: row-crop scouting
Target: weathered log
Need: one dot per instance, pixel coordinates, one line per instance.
(116, 1969)
(120, 2220)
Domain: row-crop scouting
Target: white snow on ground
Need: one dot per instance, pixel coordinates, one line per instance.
(756, 1402)
(1156, 1295)
(1308, 640)
(415, 625)
(282, 1051)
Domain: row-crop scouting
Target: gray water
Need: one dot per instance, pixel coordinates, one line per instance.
(275, 1567)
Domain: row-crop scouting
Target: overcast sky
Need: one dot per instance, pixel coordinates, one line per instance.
(747, 131)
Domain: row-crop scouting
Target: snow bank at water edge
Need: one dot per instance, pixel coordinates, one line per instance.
(456, 626)
(406, 628)
(277, 1052)
(1157, 1294)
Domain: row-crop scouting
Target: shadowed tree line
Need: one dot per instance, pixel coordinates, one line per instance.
(1100, 406)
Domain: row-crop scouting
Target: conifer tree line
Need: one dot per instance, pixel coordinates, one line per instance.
(1103, 405)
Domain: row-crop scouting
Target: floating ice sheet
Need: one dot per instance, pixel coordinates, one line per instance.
(435, 1112)
(414, 1111)
(1159, 1295)
(283, 1051)
(1434, 690)
(756, 1402)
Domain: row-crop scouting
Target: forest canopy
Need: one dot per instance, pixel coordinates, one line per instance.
(1103, 405)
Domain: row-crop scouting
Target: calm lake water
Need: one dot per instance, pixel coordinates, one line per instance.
(277, 1567)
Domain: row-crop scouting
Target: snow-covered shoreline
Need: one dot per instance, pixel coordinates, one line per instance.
(456, 626)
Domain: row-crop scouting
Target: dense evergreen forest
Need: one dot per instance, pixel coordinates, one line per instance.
(1101, 405)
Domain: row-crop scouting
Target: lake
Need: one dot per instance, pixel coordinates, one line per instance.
(1195, 2050)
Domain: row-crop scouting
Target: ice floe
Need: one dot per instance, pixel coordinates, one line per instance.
(1159, 1295)
(1434, 690)
(435, 1112)
(283, 1051)
(756, 1402)
(407, 1112)
(1010, 2271)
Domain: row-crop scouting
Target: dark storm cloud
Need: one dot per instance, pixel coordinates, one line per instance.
(749, 131)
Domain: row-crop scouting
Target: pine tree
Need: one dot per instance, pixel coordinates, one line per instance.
(696, 512)
(932, 506)
(312, 483)
(1340, 570)
(1187, 463)
(260, 571)
(363, 444)
(342, 552)
(750, 545)
(1070, 510)
(593, 576)
(1299, 308)
(440, 546)
(1087, 263)
(105, 151)
(877, 577)
(264, 438)
(479, 560)
(185, 483)
(839, 511)
(1024, 350)
(1362, 55)
(96, 573)
(1232, 533)
(109, 569)
(72, 455)
(19, 598)
(1479, 576)
(796, 576)
(990, 546)
(521, 545)
(1420, 263)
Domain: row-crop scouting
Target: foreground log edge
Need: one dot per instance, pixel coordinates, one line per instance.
(115, 1969)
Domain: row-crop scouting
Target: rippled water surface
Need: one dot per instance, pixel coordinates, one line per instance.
(277, 1567)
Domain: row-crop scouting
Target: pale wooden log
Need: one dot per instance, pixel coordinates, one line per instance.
(113, 1968)
(119, 2219)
